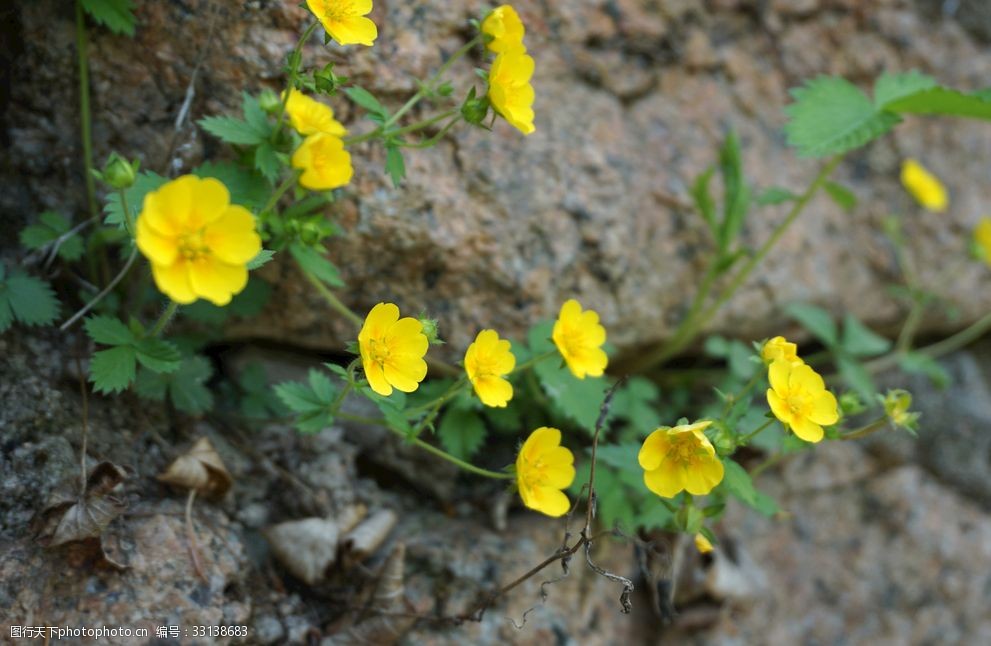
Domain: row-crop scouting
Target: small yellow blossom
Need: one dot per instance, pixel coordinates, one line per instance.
(510, 91)
(487, 361)
(799, 399)
(198, 243)
(925, 187)
(982, 238)
(896, 405)
(392, 350)
(680, 458)
(308, 116)
(345, 20)
(579, 337)
(779, 348)
(543, 469)
(505, 28)
(702, 544)
(324, 162)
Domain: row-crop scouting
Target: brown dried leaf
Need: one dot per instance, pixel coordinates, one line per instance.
(68, 517)
(199, 468)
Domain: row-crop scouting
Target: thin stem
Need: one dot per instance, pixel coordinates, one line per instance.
(732, 399)
(427, 143)
(294, 60)
(912, 322)
(106, 290)
(749, 436)
(128, 217)
(332, 300)
(84, 108)
(533, 361)
(164, 319)
(453, 390)
(950, 344)
(413, 127)
(863, 431)
(273, 199)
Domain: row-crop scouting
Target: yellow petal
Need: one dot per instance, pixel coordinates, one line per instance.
(232, 237)
(804, 377)
(653, 450)
(825, 410)
(354, 31)
(209, 202)
(561, 476)
(778, 374)
(778, 407)
(549, 501)
(540, 441)
(494, 391)
(405, 374)
(405, 337)
(379, 320)
(806, 430)
(663, 482)
(376, 378)
(173, 281)
(158, 249)
(216, 280)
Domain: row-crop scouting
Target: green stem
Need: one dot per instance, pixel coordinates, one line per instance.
(413, 127)
(434, 405)
(288, 183)
(294, 59)
(950, 344)
(749, 436)
(732, 399)
(427, 143)
(532, 361)
(339, 400)
(691, 327)
(164, 319)
(106, 290)
(128, 217)
(332, 300)
(863, 431)
(84, 108)
(912, 322)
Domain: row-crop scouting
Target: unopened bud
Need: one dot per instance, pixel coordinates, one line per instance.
(118, 172)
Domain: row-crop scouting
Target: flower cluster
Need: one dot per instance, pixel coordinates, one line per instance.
(510, 91)
(324, 162)
(197, 242)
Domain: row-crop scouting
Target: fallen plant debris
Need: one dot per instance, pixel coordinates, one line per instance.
(201, 469)
(308, 547)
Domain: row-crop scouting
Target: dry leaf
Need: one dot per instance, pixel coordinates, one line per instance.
(69, 517)
(305, 547)
(199, 468)
(363, 540)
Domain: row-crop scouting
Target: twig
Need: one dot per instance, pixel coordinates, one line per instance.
(106, 290)
(191, 536)
(82, 452)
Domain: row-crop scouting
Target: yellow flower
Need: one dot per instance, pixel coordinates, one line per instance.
(510, 91)
(392, 350)
(344, 20)
(543, 469)
(198, 243)
(779, 348)
(925, 187)
(799, 399)
(579, 336)
(702, 544)
(896, 405)
(680, 458)
(324, 162)
(487, 360)
(982, 238)
(308, 116)
(505, 28)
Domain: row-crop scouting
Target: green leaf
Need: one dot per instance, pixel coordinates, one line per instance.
(738, 483)
(247, 188)
(115, 15)
(943, 101)
(462, 432)
(252, 299)
(578, 399)
(831, 115)
(616, 506)
(151, 385)
(322, 386)
(891, 87)
(108, 330)
(263, 258)
(634, 401)
(51, 227)
(816, 320)
(158, 355)
(6, 313)
(394, 165)
(312, 261)
(619, 456)
(254, 114)
(112, 370)
(843, 196)
(704, 203)
(364, 98)
(775, 195)
(234, 130)
(508, 420)
(922, 364)
(857, 377)
(145, 183)
(860, 341)
(187, 387)
(736, 193)
(267, 162)
(29, 299)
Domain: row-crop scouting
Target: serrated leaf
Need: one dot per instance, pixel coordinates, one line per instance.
(891, 87)
(252, 299)
(578, 399)
(254, 115)
(619, 456)
(108, 330)
(775, 195)
(247, 188)
(299, 397)
(816, 320)
(144, 183)
(843, 196)
(112, 370)
(738, 483)
(634, 401)
(151, 385)
(365, 99)
(187, 387)
(233, 130)
(830, 115)
(860, 341)
(31, 299)
(394, 165)
(313, 262)
(263, 258)
(267, 162)
(322, 386)
(461, 432)
(115, 15)
(158, 355)
(943, 101)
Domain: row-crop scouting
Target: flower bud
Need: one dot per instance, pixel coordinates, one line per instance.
(270, 102)
(896, 406)
(430, 329)
(474, 110)
(326, 81)
(724, 441)
(118, 172)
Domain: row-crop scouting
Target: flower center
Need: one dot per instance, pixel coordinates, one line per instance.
(192, 246)
(338, 9)
(798, 404)
(379, 351)
(534, 474)
(685, 451)
(574, 341)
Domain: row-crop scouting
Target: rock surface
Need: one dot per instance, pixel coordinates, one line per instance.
(496, 230)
